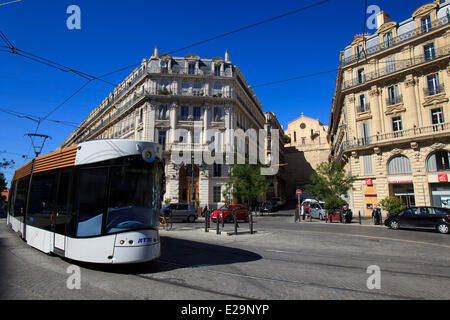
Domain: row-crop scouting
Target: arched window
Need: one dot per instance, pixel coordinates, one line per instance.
(438, 161)
(399, 165)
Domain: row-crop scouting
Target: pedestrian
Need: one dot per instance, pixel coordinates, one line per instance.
(303, 211)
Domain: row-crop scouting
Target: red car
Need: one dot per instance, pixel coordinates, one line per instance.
(226, 212)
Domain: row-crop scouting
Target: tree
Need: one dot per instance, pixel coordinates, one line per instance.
(330, 183)
(286, 139)
(392, 205)
(246, 183)
(5, 164)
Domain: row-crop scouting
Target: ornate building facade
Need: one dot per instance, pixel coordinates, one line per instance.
(390, 114)
(167, 94)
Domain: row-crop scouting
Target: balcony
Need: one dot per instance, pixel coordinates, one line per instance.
(436, 24)
(398, 136)
(431, 91)
(394, 100)
(363, 108)
(399, 66)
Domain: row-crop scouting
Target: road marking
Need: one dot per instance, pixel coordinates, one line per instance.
(381, 238)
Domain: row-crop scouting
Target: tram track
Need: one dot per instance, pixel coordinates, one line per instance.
(272, 280)
(331, 265)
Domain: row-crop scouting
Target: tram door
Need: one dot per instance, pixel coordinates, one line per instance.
(62, 212)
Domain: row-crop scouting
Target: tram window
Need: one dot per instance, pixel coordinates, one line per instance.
(63, 214)
(12, 198)
(134, 198)
(41, 201)
(91, 201)
(21, 197)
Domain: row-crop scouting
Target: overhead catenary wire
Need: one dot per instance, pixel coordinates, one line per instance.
(222, 35)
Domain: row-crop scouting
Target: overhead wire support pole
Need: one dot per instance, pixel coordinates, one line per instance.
(37, 151)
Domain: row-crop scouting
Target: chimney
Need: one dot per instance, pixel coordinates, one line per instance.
(382, 18)
(227, 56)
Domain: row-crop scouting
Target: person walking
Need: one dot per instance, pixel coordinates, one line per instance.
(303, 212)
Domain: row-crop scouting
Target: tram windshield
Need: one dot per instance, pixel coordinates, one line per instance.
(133, 196)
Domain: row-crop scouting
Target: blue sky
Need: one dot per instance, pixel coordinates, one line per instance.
(119, 33)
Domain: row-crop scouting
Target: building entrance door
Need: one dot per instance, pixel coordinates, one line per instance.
(404, 191)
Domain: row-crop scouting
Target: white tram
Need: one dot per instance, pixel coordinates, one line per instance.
(96, 202)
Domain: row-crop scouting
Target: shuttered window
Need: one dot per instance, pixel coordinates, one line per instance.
(399, 165)
(367, 159)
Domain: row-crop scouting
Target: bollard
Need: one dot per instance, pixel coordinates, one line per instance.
(251, 222)
(206, 221)
(359, 216)
(235, 222)
(217, 224)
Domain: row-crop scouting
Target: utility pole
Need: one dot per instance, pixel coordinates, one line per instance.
(37, 151)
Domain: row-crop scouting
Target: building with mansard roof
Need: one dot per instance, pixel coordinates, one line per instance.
(169, 93)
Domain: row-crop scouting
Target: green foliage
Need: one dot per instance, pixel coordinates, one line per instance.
(392, 205)
(329, 184)
(287, 139)
(333, 203)
(246, 182)
(5, 164)
(167, 201)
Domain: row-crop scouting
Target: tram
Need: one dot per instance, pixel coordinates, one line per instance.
(96, 202)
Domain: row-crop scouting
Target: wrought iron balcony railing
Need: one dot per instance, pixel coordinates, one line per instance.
(436, 24)
(431, 91)
(399, 66)
(394, 100)
(386, 137)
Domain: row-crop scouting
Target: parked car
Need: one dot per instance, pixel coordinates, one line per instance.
(278, 202)
(180, 212)
(434, 218)
(268, 206)
(307, 204)
(317, 211)
(226, 213)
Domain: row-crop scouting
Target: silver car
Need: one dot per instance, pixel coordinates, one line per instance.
(317, 211)
(180, 212)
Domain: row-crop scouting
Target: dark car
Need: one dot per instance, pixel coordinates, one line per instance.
(434, 218)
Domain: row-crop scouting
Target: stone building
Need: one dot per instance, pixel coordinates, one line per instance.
(389, 114)
(308, 148)
(167, 94)
(278, 181)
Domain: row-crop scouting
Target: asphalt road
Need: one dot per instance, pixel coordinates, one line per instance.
(282, 261)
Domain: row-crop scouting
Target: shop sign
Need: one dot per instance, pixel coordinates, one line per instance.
(442, 178)
(369, 182)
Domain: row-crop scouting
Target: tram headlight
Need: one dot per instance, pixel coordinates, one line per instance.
(122, 242)
(148, 155)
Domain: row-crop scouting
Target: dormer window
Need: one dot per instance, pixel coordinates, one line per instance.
(164, 67)
(191, 68)
(217, 70)
(426, 24)
(388, 40)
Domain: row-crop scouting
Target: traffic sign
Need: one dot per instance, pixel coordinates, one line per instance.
(298, 192)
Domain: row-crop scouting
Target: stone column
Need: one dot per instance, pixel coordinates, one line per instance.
(412, 117)
(150, 122)
(375, 110)
(173, 121)
(206, 110)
